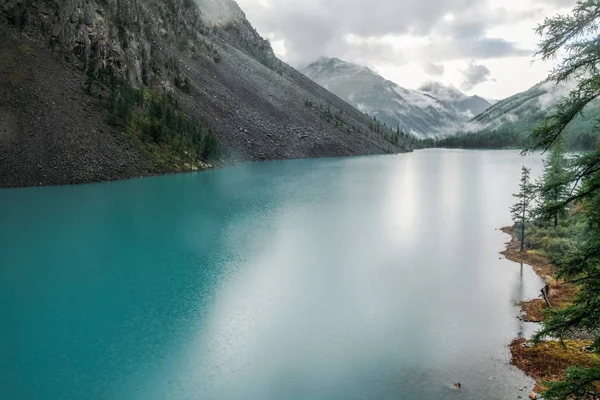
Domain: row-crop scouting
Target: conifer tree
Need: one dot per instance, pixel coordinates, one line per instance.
(578, 35)
(554, 187)
(522, 210)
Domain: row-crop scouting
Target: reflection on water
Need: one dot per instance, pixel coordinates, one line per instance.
(369, 277)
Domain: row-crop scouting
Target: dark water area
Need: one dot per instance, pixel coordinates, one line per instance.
(357, 278)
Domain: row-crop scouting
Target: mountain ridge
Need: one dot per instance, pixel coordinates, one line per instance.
(89, 90)
(427, 111)
(509, 122)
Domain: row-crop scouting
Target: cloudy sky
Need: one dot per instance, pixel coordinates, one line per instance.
(482, 47)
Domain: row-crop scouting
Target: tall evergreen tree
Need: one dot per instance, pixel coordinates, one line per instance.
(578, 35)
(581, 267)
(523, 209)
(554, 188)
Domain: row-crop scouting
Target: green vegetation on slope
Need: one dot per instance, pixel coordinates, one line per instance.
(580, 136)
(501, 138)
(339, 120)
(509, 122)
(173, 140)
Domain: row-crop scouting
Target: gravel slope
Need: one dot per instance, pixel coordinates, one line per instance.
(53, 132)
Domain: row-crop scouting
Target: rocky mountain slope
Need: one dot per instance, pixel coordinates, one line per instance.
(94, 90)
(426, 112)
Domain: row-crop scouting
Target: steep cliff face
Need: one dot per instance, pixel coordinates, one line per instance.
(200, 60)
(131, 37)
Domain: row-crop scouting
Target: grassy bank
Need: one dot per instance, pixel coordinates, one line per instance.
(547, 361)
(560, 293)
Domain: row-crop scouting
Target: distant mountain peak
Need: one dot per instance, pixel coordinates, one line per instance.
(431, 109)
(470, 106)
(334, 63)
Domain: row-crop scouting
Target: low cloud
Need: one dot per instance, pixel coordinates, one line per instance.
(411, 40)
(481, 48)
(434, 69)
(474, 75)
(555, 93)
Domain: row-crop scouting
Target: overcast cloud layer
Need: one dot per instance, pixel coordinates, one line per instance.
(466, 43)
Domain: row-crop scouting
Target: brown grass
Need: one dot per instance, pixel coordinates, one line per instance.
(533, 310)
(548, 361)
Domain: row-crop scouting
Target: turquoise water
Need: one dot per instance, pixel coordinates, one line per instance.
(358, 278)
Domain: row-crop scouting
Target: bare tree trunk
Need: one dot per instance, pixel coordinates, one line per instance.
(545, 293)
(523, 228)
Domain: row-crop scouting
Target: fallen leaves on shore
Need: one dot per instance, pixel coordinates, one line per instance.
(549, 360)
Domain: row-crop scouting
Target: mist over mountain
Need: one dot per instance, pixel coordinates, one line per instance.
(431, 110)
(529, 106)
(470, 106)
(509, 122)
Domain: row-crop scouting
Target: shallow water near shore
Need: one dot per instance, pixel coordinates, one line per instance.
(356, 278)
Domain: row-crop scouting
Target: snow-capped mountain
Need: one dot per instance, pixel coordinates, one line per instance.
(429, 111)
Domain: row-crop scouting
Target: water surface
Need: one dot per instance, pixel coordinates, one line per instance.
(359, 278)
